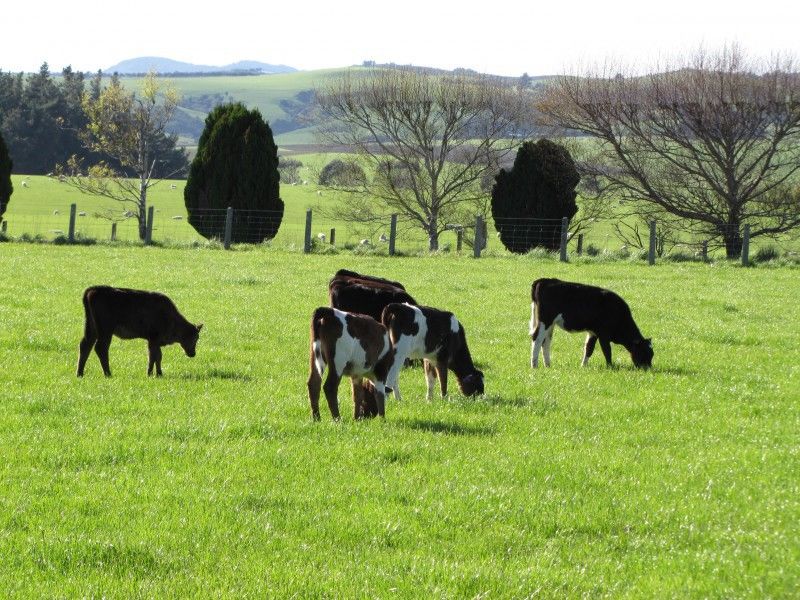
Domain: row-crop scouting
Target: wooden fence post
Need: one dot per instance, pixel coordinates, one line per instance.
(704, 251)
(113, 232)
(228, 228)
(392, 234)
(333, 236)
(148, 235)
(651, 253)
(478, 245)
(746, 246)
(579, 249)
(3, 227)
(307, 239)
(459, 238)
(73, 209)
(564, 235)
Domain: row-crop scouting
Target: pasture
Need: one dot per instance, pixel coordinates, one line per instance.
(213, 480)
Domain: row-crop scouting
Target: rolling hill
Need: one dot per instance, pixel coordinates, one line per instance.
(143, 64)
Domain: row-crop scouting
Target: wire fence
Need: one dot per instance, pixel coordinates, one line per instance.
(316, 232)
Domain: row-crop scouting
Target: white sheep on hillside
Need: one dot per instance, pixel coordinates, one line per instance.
(321, 237)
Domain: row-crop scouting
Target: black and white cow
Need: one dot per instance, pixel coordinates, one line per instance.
(353, 345)
(437, 337)
(578, 307)
(365, 294)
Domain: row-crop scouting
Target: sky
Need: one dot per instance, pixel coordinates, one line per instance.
(503, 38)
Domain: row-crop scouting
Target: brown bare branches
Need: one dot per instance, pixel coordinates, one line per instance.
(714, 140)
(441, 133)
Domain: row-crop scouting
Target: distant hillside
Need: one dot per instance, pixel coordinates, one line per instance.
(144, 64)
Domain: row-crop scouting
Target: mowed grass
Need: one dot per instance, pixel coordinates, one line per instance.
(213, 480)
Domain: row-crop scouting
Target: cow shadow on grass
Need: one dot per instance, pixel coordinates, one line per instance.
(445, 427)
(222, 374)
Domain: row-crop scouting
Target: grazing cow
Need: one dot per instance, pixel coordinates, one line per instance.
(437, 337)
(578, 307)
(353, 345)
(364, 294)
(130, 314)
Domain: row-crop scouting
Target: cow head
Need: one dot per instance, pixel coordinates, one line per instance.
(189, 340)
(642, 353)
(472, 384)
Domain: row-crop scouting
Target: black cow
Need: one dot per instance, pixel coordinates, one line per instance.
(130, 314)
(365, 294)
(579, 307)
(433, 335)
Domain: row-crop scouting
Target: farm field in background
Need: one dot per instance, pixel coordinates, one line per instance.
(32, 211)
(562, 482)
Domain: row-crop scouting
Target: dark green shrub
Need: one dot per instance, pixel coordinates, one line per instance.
(342, 173)
(529, 201)
(236, 165)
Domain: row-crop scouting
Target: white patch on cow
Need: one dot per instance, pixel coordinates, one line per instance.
(409, 346)
(532, 326)
(453, 324)
(319, 361)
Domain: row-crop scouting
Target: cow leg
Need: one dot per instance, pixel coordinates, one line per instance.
(430, 378)
(588, 348)
(86, 345)
(441, 372)
(537, 339)
(380, 398)
(548, 339)
(101, 349)
(331, 387)
(605, 346)
(154, 352)
(314, 387)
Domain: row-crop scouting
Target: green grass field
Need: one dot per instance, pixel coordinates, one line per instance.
(214, 482)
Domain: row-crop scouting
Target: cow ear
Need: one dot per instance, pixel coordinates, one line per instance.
(199, 326)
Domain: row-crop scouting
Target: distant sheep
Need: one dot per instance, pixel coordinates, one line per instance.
(127, 214)
(173, 186)
(56, 212)
(319, 193)
(305, 182)
(24, 183)
(178, 218)
(365, 242)
(383, 238)
(321, 237)
(82, 214)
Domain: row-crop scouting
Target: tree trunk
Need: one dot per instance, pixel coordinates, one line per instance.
(732, 236)
(142, 210)
(433, 235)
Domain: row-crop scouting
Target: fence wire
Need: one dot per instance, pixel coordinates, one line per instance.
(49, 221)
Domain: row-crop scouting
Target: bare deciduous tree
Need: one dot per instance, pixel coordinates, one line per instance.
(128, 128)
(427, 139)
(714, 141)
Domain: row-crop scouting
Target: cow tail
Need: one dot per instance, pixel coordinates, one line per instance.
(317, 357)
(89, 327)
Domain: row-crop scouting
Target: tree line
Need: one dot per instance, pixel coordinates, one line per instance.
(42, 118)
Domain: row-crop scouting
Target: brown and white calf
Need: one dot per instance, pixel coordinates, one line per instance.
(130, 314)
(350, 345)
(433, 335)
(578, 307)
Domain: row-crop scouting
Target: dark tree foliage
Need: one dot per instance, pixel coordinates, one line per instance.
(236, 165)
(40, 118)
(5, 177)
(529, 201)
(342, 173)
